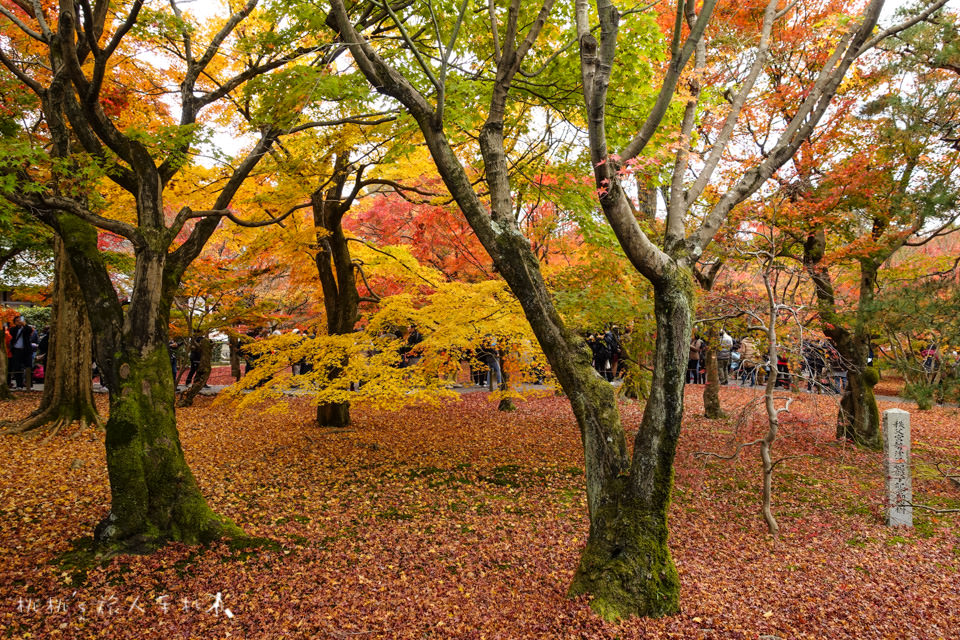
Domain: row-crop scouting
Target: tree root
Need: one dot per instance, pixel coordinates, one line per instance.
(46, 422)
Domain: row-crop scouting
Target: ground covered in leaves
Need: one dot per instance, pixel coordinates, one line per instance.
(462, 522)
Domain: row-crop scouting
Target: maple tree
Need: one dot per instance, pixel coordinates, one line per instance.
(626, 565)
(88, 138)
(869, 203)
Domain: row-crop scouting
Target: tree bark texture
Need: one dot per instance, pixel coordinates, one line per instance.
(626, 565)
(858, 419)
(154, 496)
(68, 381)
(335, 268)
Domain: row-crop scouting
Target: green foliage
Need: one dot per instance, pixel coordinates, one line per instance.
(37, 317)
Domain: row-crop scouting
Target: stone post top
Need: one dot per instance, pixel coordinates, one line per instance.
(896, 412)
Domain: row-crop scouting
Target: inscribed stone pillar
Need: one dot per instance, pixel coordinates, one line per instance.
(896, 451)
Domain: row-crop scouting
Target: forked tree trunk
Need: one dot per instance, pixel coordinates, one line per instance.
(154, 496)
(626, 565)
(68, 383)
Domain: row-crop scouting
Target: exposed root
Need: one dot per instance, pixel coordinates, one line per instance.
(55, 429)
(46, 423)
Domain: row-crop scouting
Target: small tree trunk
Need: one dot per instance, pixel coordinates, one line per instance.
(68, 383)
(333, 414)
(711, 391)
(773, 416)
(235, 357)
(200, 379)
(4, 371)
(859, 415)
(155, 497)
(506, 403)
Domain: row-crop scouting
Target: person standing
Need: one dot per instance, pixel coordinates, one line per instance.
(21, 348)
(693, 360)
(723, 356)
(196, 354)
(748, 360)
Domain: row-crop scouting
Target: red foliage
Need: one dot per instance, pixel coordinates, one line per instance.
(438, 235)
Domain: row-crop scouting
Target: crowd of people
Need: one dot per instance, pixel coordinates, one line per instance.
(741, 361)
(607, 349)
(26, 350)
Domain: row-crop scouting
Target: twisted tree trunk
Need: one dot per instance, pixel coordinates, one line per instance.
(626, 565)
(858, 419)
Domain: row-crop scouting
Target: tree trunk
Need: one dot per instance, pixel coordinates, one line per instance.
(506, 403)
(711, 391)
(626, 565)
(859, 416)
(335, 268)
(4, 370)
(202, 375)
(155, 497)
(68, 381)
(235, 357)
(858, 419)
(333, 414)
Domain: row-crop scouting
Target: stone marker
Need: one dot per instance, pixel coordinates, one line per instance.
(896, 466)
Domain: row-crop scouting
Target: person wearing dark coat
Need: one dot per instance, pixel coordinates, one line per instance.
(22, 338)
(196, 354)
